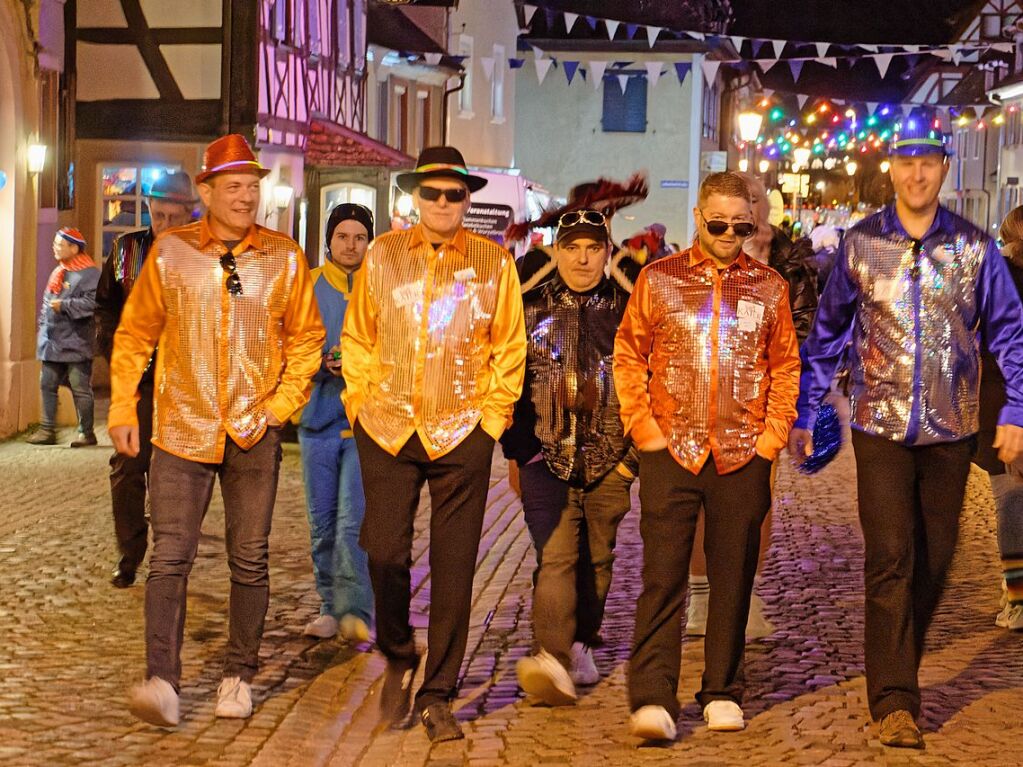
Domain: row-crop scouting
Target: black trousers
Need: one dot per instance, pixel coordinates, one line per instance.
(909, 504)
(734, 505)
(128, 488)
(458, 483)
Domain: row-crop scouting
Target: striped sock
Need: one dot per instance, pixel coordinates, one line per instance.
(698, 584)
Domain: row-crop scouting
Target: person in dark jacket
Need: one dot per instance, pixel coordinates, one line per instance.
(171, 201)
(568, 448)
(64, 343)
(1006, 479)
(795, 262)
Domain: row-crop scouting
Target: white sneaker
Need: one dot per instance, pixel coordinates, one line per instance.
(584, 670)
(543, 677)
(354, 629)
(324, 627)
(696, 613)
(1011, 617)
(155, 701)
(757, 626)
(723, 716)
(652, 723)
(234, 699)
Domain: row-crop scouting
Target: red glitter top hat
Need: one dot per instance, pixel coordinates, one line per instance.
(229, 154)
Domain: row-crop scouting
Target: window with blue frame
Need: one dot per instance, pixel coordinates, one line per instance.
(624, 112)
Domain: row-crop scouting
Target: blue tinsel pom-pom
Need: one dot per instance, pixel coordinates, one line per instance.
(827, 439)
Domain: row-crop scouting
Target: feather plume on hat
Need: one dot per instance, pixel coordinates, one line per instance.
(604, 194)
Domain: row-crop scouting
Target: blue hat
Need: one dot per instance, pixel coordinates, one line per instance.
(919, 133)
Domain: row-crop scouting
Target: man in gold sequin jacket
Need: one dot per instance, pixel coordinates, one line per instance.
(434, 351)
(232, 307)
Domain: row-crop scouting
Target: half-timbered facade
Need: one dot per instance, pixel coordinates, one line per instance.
(293, 76)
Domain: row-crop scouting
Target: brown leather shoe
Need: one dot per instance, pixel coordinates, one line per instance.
(900, 731)
(84, 440)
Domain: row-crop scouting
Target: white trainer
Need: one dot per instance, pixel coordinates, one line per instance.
(324, 627)
(155, 701)
(696, 613)
(543, 677)
(1011, 617)
(723, 716)
(234, 699)
(652, 723)
(584, 670)
(354, 629)
(757, 626)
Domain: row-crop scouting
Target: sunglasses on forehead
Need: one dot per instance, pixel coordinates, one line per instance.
(717, 228)
(576, 217)
(432, 193)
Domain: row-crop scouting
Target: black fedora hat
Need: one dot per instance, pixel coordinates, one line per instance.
(440, 162)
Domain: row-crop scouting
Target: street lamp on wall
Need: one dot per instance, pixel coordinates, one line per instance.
(749, 132)
(36, 158)
(282, 196)
(850, 167)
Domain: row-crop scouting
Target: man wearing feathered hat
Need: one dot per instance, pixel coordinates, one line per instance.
(65, 339)
(170, 203)
(572, 457)
(912, 286)
(231, 305)
(434, 352)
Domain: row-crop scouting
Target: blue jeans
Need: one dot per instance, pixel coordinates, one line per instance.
(1008, 493)
(336, 504)
(78, 377)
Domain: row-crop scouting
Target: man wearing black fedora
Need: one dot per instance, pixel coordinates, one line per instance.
(434, 351)
(171, 201)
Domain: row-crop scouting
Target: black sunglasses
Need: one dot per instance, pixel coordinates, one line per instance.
(576, 217)
(432, 194)
(234, 282)
(717, 228)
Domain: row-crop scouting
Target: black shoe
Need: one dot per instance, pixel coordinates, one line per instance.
(84, 440)
(396, 693)
(43, 437)
(440, 723)
(122, 578)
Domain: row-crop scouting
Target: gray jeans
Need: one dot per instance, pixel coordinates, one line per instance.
(574, 532)
(180, 492)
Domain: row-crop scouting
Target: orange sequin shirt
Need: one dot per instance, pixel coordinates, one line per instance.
(225, 360)
(709, 360)
(433, 341)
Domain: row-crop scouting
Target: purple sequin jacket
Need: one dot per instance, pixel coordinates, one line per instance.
(913, 311)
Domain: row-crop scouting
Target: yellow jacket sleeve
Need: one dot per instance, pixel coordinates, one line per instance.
(631, 366)
(508, 354)
(783, 382)
(358, 339)
(134, 340)
(303, 345)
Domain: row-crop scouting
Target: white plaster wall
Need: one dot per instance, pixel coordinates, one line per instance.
(19, 97)
(559, 143)
(97, 62)
(483, 139)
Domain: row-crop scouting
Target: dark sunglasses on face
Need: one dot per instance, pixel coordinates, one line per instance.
(574, 217)
(432, 194)
(234, 282)
(717, 228)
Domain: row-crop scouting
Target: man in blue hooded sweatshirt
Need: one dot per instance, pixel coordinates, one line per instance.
(330, 463)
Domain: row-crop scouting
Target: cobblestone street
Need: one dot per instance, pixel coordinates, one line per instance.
(71, 645)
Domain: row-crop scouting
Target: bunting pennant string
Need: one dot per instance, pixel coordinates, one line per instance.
(570, 67)
(653, 72)
(623, 82)
(543, 66)
(681, 70)
(597, 72)
(651, 35)
(570, 19)
(796, 66)
(710, 69)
